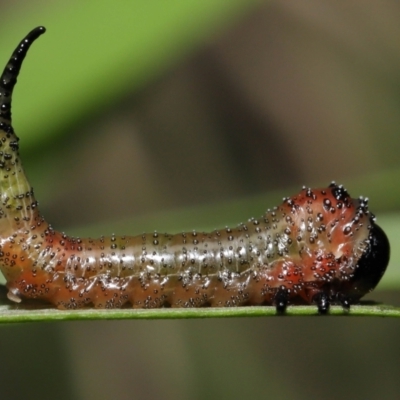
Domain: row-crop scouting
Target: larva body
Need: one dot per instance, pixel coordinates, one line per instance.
(319, 246)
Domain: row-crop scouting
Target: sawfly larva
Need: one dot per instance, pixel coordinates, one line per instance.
(318, 247)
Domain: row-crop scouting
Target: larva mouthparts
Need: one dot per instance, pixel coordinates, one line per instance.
(320, 246)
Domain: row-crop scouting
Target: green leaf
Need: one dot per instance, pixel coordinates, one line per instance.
(10, 314)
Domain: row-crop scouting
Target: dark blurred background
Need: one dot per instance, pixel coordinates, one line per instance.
(246, 98)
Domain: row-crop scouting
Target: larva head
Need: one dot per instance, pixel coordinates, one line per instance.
(375, 257)
(372, 264)
(9, 77)
(338, 239)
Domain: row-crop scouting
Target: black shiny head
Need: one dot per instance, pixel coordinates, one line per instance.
(372, 264)
(9, 76)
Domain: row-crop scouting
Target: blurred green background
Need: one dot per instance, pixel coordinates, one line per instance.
(180, 114)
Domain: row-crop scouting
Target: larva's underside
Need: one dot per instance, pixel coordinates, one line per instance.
(319, 246)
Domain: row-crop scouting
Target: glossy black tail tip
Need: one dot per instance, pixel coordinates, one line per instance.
(9, 76)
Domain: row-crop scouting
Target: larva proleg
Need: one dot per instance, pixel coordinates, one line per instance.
(318, 247)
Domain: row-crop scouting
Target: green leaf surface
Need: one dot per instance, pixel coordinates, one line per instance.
(10, 314)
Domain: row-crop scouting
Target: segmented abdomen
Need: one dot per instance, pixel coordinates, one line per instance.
(312, 239)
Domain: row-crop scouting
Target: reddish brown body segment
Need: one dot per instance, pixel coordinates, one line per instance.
(311, 239)
(318, 246)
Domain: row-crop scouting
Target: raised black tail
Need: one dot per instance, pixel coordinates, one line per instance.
(18, 207)
(9, 77)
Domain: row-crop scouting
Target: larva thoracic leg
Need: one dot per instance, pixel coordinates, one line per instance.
(318, 247)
